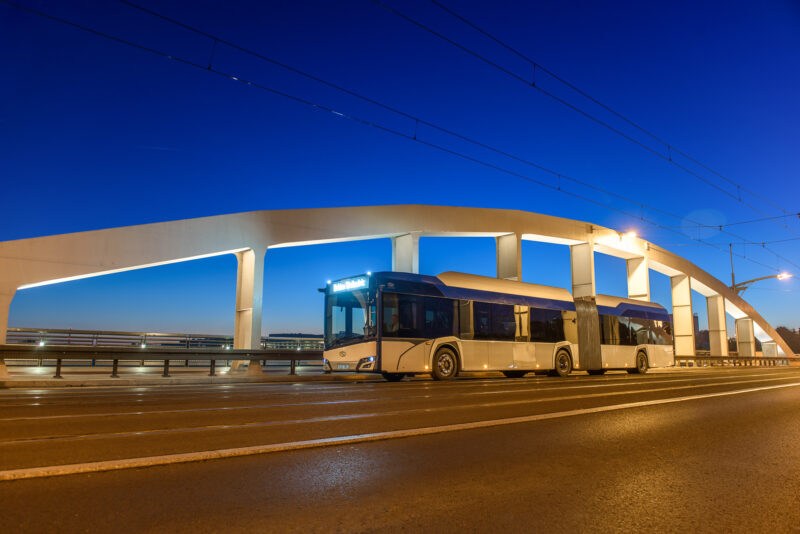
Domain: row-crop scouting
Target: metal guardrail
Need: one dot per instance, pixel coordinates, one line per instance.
(101, 338)
(166, 355)
(734, 361)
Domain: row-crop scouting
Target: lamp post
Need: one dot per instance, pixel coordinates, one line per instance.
(741, 286)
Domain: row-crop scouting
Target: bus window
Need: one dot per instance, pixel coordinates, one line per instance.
(482, 320)
(639, 329)
(400, 315)
(465, 319)
(661, 333)
(504, 324)
(438, 317)
(609, 330)
(546, 325)
(625, 337)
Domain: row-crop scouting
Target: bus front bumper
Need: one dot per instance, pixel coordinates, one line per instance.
(364, 365)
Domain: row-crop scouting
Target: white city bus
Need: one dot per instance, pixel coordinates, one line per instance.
(401, 324)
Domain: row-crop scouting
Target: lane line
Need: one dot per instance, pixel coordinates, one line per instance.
(340, 417)
(149, 461)
(382, 399)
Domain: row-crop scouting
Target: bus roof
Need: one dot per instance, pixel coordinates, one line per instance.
(496, 285)
(606, 304)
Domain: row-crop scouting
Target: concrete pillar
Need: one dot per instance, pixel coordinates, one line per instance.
(745, 337)
(769, 349)
(582, 260)
(249, 301)
(509, 257)
(6, 296)
(638, 279)
(682, 319)
(405, 253)
(717, 325)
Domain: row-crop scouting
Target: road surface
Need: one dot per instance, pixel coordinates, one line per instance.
(707, 450)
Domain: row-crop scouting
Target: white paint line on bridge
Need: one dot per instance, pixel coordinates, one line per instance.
(150, 461)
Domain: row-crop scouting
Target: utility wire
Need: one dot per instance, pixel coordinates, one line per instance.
(209, 68)
(417, 120)
(720, 226)
(553, 75)
(575, 108)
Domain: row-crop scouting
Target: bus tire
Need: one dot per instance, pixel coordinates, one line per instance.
(596, 371)
(641, 363)
(393, 377)
(445, 364)
(514, 374)
(563, 363)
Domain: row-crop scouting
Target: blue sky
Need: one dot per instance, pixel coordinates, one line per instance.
(94, 134)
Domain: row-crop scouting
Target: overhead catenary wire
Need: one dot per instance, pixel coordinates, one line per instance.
(214, 70)
(417, 120)
(536, 65)
(538, 87)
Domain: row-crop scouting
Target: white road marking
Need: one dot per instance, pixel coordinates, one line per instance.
(524, 388)
(341, 417)
(149, 461)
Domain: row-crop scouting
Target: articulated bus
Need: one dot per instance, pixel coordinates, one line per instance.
(402, 324)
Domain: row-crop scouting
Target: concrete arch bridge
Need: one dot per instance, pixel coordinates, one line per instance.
(26, 263)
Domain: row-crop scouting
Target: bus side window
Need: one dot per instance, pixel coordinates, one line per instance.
(465, 319)
(570, 324)
(482, 320)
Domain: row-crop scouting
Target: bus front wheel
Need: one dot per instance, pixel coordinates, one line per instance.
(445, 364)
(393, 377)
(641, 363)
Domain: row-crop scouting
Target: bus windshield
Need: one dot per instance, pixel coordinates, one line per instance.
(349, 318)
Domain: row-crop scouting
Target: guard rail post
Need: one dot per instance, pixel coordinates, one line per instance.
(292, 367)
(212, 368)
(114, 369)
(166, 369)
(58, 369)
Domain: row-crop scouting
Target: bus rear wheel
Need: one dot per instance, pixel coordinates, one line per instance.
(641, 363)
(445, 364)
(563, 364)
(393, 377)
(514, 374)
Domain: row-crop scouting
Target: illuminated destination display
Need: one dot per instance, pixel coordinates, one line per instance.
(350, 284)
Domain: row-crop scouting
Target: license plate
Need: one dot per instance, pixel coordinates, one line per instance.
(343, 366)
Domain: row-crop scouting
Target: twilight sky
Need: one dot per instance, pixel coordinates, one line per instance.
(95, 134)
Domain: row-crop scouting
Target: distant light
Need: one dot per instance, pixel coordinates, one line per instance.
(144, 345)
(369, 273)
(784, 276)
(298, 348)
(485, 366)
(41, 343)
(329, 281)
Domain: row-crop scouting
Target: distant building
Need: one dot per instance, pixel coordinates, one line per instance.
(292, 341)
(696, 321)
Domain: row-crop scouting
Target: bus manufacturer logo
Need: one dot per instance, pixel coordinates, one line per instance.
(342, 354)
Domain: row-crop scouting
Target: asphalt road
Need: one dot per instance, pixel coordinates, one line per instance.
(680, 451)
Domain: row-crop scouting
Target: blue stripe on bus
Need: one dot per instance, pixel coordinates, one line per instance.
(474, 294)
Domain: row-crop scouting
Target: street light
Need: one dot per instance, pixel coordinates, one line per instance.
(741, 286)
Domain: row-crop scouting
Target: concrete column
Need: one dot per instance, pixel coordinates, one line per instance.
(745, 337)
(249, 301)
(717, 327)
(638, 279)
(509, 257)
(582, 260)
(405, 253)
(6, 296)
(682, 320)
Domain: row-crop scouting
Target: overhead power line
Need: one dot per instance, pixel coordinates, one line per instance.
(532, 83)
(415, 138)
(751, 221)
(216, 39)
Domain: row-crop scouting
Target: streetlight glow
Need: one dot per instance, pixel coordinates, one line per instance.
(784, 276)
